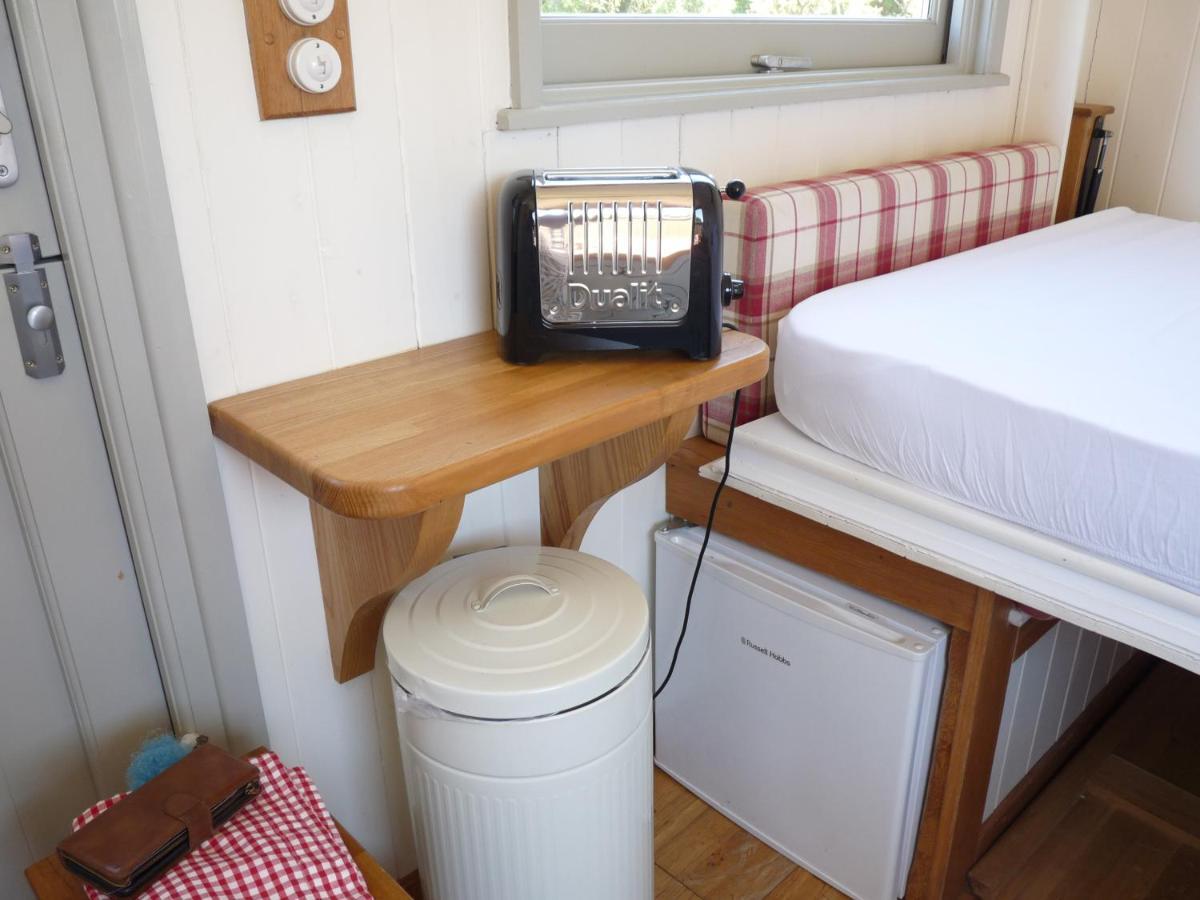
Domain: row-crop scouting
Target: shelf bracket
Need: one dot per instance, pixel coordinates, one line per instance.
(363, 562)
(572, 489)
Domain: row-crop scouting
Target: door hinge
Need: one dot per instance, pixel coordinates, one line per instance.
(28, 290)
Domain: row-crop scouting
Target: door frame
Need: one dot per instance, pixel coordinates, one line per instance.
(89, 97)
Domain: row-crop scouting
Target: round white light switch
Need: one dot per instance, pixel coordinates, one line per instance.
(307, 12)
(314, 66)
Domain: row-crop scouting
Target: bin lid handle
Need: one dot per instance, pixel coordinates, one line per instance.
(498, 587)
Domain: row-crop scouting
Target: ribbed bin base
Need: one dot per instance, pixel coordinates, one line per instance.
(557, 808)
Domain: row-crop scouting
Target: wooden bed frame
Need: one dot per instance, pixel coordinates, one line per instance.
(982, 646)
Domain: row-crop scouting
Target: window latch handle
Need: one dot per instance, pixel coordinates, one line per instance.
(770, 62)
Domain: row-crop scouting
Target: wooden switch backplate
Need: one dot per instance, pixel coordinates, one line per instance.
(272, 35)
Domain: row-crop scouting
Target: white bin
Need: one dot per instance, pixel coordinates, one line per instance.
(523, 691)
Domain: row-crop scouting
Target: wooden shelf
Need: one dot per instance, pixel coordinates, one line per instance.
(386, 451)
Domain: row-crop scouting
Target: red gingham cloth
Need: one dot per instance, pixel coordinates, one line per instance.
(790, 241)
(283, 843)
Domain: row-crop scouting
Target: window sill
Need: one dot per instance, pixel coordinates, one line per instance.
(575, 104)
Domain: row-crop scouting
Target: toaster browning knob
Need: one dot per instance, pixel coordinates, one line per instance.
(731, 289)
(735, 189)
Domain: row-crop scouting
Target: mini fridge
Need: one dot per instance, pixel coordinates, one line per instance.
(801, 708)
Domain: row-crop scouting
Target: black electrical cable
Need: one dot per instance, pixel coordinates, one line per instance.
(712, 514)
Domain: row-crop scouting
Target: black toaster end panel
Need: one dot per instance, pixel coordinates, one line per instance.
(708, 232)
(516, 251)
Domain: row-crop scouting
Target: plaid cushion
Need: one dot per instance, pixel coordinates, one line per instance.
(283, 843)
(790, 241)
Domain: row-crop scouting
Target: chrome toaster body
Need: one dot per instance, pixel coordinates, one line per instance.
(601, 259)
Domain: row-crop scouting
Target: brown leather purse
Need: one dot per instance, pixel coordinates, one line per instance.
(125, 848)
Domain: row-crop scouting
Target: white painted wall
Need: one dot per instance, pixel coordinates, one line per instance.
(1048, 687)
(1145, 61)
(1054, 46)
(317, 243)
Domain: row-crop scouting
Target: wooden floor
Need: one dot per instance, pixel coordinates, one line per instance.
(1122, 818)
(700, 853)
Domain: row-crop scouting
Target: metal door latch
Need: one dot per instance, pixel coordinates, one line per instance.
(28, 293)
(770, 62)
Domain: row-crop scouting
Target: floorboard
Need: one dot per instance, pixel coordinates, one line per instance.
(667, 888)
(714, 859)
(1122, 819)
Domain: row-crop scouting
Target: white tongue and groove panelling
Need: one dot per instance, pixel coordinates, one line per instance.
(317, 243)
(1145, 61)
(1048, 687)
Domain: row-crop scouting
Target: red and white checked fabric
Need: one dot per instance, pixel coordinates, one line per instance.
(790, 241)
(283, 843)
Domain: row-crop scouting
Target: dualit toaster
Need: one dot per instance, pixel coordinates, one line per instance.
(608, 259)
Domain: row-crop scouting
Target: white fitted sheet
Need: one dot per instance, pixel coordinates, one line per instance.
(1052, 380)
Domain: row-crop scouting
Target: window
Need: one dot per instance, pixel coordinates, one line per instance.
(611, 40)
(581, 60)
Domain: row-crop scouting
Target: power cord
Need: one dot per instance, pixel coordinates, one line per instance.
(712, 514)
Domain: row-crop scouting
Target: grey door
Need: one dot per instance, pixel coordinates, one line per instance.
(79, 683)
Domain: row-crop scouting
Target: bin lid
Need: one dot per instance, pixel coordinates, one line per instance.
(516, 632)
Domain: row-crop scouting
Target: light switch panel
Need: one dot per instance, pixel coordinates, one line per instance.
(281, 71)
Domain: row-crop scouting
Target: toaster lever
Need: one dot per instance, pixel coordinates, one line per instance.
(731, 289)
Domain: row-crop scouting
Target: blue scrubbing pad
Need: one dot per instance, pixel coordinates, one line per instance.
(154, 757)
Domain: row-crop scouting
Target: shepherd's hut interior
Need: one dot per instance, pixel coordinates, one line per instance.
(600, 449)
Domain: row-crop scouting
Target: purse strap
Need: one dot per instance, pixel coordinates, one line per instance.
(194, 814)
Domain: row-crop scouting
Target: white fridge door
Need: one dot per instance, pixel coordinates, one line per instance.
(800, 707)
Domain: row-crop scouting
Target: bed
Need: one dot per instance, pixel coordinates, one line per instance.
(1018, 415)
(929, 428)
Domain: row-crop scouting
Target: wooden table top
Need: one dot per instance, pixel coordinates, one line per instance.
(394, 436)
(51, 881)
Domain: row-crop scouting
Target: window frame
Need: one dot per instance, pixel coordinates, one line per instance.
(595, 48)
(973, 50)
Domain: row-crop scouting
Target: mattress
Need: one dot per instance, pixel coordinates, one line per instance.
(1051, 380)
(776, 462)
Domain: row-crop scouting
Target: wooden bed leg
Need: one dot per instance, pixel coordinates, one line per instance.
(573, 489)
(968, 724)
